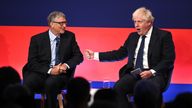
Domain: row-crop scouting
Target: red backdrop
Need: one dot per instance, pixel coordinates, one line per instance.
(15, 42)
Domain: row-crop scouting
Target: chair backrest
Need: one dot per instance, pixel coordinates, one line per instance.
(168, 78)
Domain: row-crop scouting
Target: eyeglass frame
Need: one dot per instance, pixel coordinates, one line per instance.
(60, 23)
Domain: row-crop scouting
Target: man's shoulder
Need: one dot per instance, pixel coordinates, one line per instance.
(133, 35)
(161, 30)
(40, 35)
(69, 32)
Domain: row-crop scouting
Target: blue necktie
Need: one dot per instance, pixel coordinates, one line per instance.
(139, 59)
(57, 59)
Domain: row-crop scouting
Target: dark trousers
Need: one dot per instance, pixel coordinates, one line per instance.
(125, 85)
(51, 85)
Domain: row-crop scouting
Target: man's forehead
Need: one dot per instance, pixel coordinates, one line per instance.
(60, 18)
(138, 19)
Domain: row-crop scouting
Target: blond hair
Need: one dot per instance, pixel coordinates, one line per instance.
(143, 13)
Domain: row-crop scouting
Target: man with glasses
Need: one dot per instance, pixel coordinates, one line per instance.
(150, 52)
(53, 57)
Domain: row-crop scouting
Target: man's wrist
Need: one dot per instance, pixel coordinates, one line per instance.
(67, 66)
(153, 72)
(96, 56)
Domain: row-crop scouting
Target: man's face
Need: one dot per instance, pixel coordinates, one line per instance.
(58, 26)
(142, 26)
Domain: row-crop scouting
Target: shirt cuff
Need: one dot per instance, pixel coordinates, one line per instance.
(67, 65)
(49, 71)
(96, 56)
(153, 72)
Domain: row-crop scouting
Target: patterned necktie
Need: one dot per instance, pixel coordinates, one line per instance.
(139, 59)
(57, 59)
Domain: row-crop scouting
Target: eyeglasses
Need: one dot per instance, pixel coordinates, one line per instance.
(60, 23)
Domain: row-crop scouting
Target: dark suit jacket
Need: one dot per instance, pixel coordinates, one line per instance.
(161, 52)
(39, 57)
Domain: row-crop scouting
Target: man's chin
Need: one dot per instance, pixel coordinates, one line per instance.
(63, 31)
(139, 33)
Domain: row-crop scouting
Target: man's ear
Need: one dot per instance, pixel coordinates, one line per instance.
(150, 23)
(51, 24)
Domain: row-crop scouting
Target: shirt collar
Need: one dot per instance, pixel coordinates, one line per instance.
(149, 32)
(52, 36)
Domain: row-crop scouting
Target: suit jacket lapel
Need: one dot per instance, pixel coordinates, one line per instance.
(136, 42)
(47, 43)
(131, 56)
(153, 39)
(62, 48)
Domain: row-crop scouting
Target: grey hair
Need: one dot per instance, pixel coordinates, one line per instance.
(55, 14)
(144, 13)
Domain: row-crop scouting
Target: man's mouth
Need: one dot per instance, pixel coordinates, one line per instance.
(138, 29)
